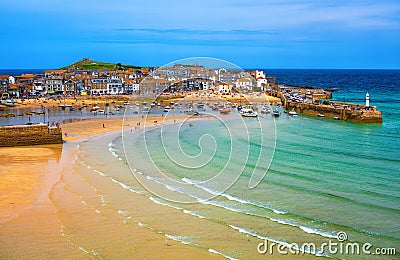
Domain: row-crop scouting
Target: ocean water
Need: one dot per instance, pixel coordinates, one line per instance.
(323, 177)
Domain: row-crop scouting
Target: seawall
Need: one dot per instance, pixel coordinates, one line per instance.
(23, 135)
(346, 114)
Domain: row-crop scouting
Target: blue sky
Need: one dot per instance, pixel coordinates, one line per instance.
(251, 34)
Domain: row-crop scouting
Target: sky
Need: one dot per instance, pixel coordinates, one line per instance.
(251, 34)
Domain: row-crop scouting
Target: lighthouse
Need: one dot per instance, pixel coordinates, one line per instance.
(367, 99)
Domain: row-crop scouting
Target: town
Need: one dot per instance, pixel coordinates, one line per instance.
(88, 79)
(178, 78)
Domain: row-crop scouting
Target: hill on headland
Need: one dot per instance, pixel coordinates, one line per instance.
(88, 64)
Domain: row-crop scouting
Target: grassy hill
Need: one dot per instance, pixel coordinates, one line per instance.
(87, 64)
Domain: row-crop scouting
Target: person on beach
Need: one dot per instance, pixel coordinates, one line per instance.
(104, 126)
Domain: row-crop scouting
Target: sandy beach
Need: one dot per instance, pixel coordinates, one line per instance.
(30, 180)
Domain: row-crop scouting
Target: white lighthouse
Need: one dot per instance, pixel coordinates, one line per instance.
(367, 99)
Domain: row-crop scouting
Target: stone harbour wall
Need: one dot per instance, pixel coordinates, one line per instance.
(24, 135)
(355, 116)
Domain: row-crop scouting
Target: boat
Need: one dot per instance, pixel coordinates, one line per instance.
(336, 118)
(94, 108)
(101, 111)
(144, 103)
(126, 103)
(136, 110)
(145, 110)
(265, 110)
(224, 110)
(191, 112)
(71, 109)
(276, 113)
(180, 106)
(64, 105)
(321, 115)
(152, 105)
(293, 113)
(9, 102)
(166, 109)
(248, 112)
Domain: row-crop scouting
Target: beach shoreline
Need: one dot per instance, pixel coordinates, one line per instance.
(29, 185)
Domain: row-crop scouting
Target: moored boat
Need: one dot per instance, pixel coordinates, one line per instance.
(276, 113)
(293, 113)
(9, 102)
(321, 115)
(265, 110)
(224, 110)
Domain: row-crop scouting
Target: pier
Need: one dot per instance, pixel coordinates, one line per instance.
(25, 135)
(312, 103)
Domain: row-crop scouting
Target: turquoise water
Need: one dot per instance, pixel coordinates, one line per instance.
(325, 177)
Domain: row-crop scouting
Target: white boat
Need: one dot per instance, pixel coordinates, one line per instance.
(321, 115)
(293, 113)
(9, 102)
(136, 110)
(248, 112)
(265, 110)
(166, 109)
(101, 111)
(145, 110)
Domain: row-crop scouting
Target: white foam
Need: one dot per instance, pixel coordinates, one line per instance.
(192, 213)
(179, 239)
(318, 232)
(164, 203)
(123, 212)
(127, 187)
(221, 254)
(84, 250)
(141, 224)
(230, 197)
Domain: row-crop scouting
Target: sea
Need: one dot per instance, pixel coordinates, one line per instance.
(244, 182)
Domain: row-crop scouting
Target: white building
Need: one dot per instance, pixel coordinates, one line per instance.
(114, 86)
(244, 84)
(224, 87)
(262, 83)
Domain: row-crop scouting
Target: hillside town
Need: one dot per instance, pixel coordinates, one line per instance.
(177, 78)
